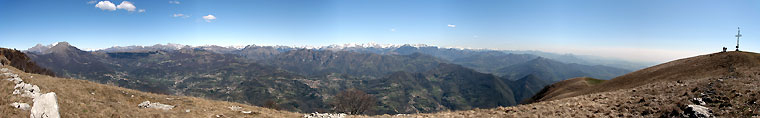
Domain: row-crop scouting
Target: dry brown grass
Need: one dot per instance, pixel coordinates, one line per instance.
(710, 65)
(84, 99)
(560, 88)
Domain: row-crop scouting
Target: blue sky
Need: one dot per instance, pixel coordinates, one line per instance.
(639, 30)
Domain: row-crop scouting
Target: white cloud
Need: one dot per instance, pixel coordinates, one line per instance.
(91, 2)
(140, 10)
(126, 5)
(106, 5)
(452, 26)
(180, 15)
(393, 29)
(173, 2)
(209, 17)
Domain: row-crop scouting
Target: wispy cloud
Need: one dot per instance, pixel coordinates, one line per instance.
(173, 2)
(452, 26)
(106, 5)
(140, 10)
(180, 15)
(209, 18)
(91, 2)
(393, 29)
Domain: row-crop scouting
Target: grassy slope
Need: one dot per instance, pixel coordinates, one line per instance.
(710, 65)
(80, 98)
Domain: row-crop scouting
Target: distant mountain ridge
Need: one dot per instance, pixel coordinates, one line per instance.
(304, 80)
(381, 49)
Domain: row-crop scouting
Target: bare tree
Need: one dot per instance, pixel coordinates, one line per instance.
(353, 101)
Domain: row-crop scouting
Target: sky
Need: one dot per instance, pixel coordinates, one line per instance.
(635, 30)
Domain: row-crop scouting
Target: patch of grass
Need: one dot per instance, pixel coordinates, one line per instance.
(592, 81)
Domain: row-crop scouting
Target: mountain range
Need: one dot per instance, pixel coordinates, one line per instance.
(404, 78)
(712, 85)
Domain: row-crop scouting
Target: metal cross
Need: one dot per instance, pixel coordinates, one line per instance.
(738, 34)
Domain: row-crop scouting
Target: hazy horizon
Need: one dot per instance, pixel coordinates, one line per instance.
(648, 31)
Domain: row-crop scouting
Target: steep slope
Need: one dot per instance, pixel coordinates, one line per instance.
(63, 58)
(710, 65)
(553, 71)
(563, 87)
(79, 98)
(20, 60)
(719, 85)
(526, 87)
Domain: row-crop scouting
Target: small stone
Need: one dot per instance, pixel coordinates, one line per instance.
(698, 101)
(235, 108)
(246, 112)
(22, 106)
(697, 111)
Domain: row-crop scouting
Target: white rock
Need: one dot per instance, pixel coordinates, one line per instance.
(22, 106)
(3, 69)
(325, 115)
(187, 110)
(155, 105)
(11, 75)
(246, 112)
(235, 108)
(15, 80)
(699, 100)
(45, 106)
(28, 90)
(699, 111)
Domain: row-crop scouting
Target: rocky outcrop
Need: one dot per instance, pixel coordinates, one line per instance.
(27, 90)
(45, 106)
(155, 105)
(697, 111)
(324, 115)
